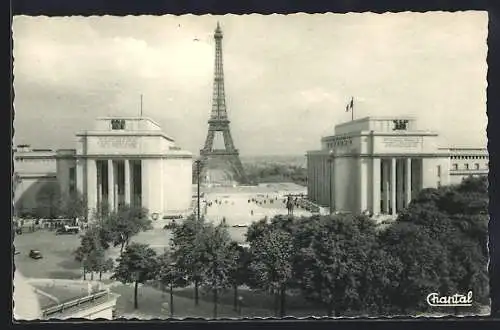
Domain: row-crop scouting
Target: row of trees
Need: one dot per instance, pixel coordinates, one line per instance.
(112, 229)
(345, 264)
(51, 204)
(275, 172)
(201, 255)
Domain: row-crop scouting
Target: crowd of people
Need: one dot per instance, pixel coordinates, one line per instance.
(275, 201)
(22, 225)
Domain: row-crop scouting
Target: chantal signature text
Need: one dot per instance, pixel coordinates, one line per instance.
(434, 299)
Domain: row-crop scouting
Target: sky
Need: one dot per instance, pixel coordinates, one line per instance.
(288, 78)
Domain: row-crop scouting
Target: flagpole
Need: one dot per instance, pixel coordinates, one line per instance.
(141, 105)
(352, 108)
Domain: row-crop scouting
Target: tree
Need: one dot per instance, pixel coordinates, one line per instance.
(272, 264)
(73, 206)
(170, 275)
(106, 266)
(240, 273)
(425, 266)
(126, 222)
(379, 282)
(96, 261)
(102, 211)
(332, 266)
(218, 262)
(48, 201)
(137, 264)
(256, 230)
(188, 250)
(90, 253)
(456, 217)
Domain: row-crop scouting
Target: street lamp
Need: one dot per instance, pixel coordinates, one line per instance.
(198, 166)
(331, 157)
(240, 304)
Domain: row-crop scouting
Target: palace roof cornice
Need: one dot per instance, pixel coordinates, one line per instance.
(379, 133)
(184, 155)
(376, 118)
(124, 133)
(129, 118)
(340, 154)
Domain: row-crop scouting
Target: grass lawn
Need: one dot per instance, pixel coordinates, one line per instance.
(256, 304)
(152, 300)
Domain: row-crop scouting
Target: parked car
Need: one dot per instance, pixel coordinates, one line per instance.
(170, 225)
(35, 254)
(68, 230)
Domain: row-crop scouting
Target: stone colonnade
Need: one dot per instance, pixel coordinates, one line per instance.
(392, 184)
(116, 182)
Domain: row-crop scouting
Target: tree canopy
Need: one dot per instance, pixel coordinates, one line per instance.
(124, 223)
(333, 265)
(441, 241)
(137, 264)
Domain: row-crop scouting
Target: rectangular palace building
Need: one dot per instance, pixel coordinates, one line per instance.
(377, 164)
(122, 160)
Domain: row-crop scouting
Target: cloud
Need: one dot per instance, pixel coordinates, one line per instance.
(288, 78)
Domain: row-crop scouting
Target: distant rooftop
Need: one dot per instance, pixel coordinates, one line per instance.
(26, 148)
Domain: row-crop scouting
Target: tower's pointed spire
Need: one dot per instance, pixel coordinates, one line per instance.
(219, 98)
(218, 31)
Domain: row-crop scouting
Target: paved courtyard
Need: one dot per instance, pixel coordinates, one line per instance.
(241, 208)
(57, 250)
(58, 260)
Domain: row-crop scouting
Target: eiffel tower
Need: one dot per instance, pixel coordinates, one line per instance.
(220, 165)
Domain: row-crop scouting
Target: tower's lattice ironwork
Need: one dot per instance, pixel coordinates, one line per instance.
(227, 159)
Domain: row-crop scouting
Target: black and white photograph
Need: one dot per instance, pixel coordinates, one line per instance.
(250, 166)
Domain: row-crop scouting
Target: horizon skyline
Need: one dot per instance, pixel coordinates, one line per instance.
(119, 50)
(31, 146)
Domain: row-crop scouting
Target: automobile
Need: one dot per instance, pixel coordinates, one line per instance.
(68, 230)
(35, 254)
(170, 225)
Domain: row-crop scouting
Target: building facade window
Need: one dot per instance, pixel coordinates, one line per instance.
(466, 166)
(454, 167)
(439, 171)
(476, 166)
